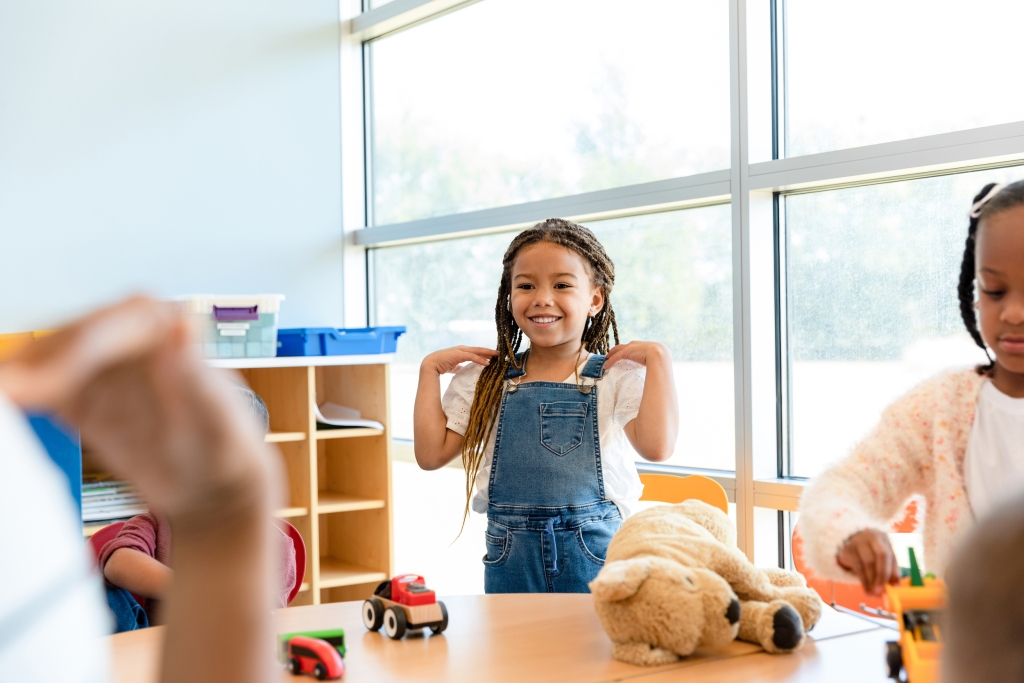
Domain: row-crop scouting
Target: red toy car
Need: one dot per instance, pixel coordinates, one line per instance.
(404, 603)
(315, 657)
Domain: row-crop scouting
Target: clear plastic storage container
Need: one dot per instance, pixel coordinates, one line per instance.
(237, 326)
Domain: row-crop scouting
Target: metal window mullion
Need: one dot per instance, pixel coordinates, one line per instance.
(964, 150)
(781, 340)
(741, 278)
(702, 189)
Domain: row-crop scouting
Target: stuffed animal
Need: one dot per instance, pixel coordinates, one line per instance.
(674, 581)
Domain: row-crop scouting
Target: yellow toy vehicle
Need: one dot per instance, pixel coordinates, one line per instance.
(918, 606)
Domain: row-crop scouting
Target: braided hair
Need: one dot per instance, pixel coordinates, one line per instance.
(596, 333)
(983, 206)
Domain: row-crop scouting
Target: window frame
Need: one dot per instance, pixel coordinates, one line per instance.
(754, 190)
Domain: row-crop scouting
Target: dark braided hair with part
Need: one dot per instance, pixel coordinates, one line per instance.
(983, 206)
(596, 334)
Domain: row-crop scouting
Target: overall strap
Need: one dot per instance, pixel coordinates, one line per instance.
(513, 371)
(594, 368)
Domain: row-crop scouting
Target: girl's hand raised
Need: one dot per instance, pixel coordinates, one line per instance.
(642, 352)
(448, 360)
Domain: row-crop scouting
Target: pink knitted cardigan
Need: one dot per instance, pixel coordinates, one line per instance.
(917, 448)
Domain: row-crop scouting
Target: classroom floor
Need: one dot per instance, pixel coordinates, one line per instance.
(428, 513)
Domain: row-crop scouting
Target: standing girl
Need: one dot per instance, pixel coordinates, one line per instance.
(957, 439)
(545, 434)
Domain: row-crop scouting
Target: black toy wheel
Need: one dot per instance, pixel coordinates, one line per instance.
(395, 622)
(320, 671)
(294, 667)
(443, 624)
(894, 659)
(373, 614)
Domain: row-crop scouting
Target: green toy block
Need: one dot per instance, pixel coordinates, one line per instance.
(915, 571)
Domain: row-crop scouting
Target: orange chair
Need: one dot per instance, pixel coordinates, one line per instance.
(300, 557)
(670, 488)
(849, 595)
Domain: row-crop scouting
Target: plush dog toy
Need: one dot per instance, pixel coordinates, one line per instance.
(674, 581)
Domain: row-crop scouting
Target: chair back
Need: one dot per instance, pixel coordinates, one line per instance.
(669, 488)
(100, 538)
(300, 557)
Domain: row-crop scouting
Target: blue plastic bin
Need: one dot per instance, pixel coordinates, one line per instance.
(328, 341)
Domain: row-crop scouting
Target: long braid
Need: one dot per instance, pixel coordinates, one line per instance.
(965, 289)
(490, 385)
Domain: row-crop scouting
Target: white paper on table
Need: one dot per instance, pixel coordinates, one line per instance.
(343, 416)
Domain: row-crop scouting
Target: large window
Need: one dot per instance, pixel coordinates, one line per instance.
(673, 285)
(872, 295)
(782, 185)
(508, 101)
(877, 70)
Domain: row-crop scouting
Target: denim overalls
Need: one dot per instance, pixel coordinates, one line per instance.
(548, 521)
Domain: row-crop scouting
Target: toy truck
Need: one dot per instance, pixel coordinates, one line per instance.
(333, 636)
(918, 606)
(314, 657)
(404, 603)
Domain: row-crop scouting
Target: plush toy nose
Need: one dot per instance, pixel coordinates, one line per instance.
(733, 613)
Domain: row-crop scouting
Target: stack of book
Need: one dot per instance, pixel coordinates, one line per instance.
(107, 500)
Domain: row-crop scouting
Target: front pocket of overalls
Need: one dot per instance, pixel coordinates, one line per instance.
(594, 538)
(561, 425)
(497, 547)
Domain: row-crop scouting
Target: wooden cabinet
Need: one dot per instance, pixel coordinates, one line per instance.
(339, 480)
(338, 492)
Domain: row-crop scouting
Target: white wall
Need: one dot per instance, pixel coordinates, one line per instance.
(169, 147)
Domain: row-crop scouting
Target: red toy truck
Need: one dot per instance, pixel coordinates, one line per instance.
(404, 603)
(315, 657)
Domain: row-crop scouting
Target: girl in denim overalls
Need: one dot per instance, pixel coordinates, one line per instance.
(547, 435)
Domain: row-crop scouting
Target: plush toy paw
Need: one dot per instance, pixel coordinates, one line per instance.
(806, 602)
(643, 654)
(787, 629)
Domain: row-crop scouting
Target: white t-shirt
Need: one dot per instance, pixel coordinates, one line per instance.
(994, 462)
(618, 402)
(52, 609)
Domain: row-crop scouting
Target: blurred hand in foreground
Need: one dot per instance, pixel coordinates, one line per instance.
(129, 377)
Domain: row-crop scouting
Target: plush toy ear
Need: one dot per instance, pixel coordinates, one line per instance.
(620, 580)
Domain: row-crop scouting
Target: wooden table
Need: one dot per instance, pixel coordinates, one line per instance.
(543, 638)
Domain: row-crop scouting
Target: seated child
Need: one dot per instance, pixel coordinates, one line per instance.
(986, 605)
(138, 558)
(957, 440)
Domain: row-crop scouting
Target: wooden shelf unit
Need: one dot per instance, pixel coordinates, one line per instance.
(338, 492)
(339, 480)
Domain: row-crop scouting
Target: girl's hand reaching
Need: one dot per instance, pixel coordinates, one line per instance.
(448, 360)
(869, 555)
(639, 352)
